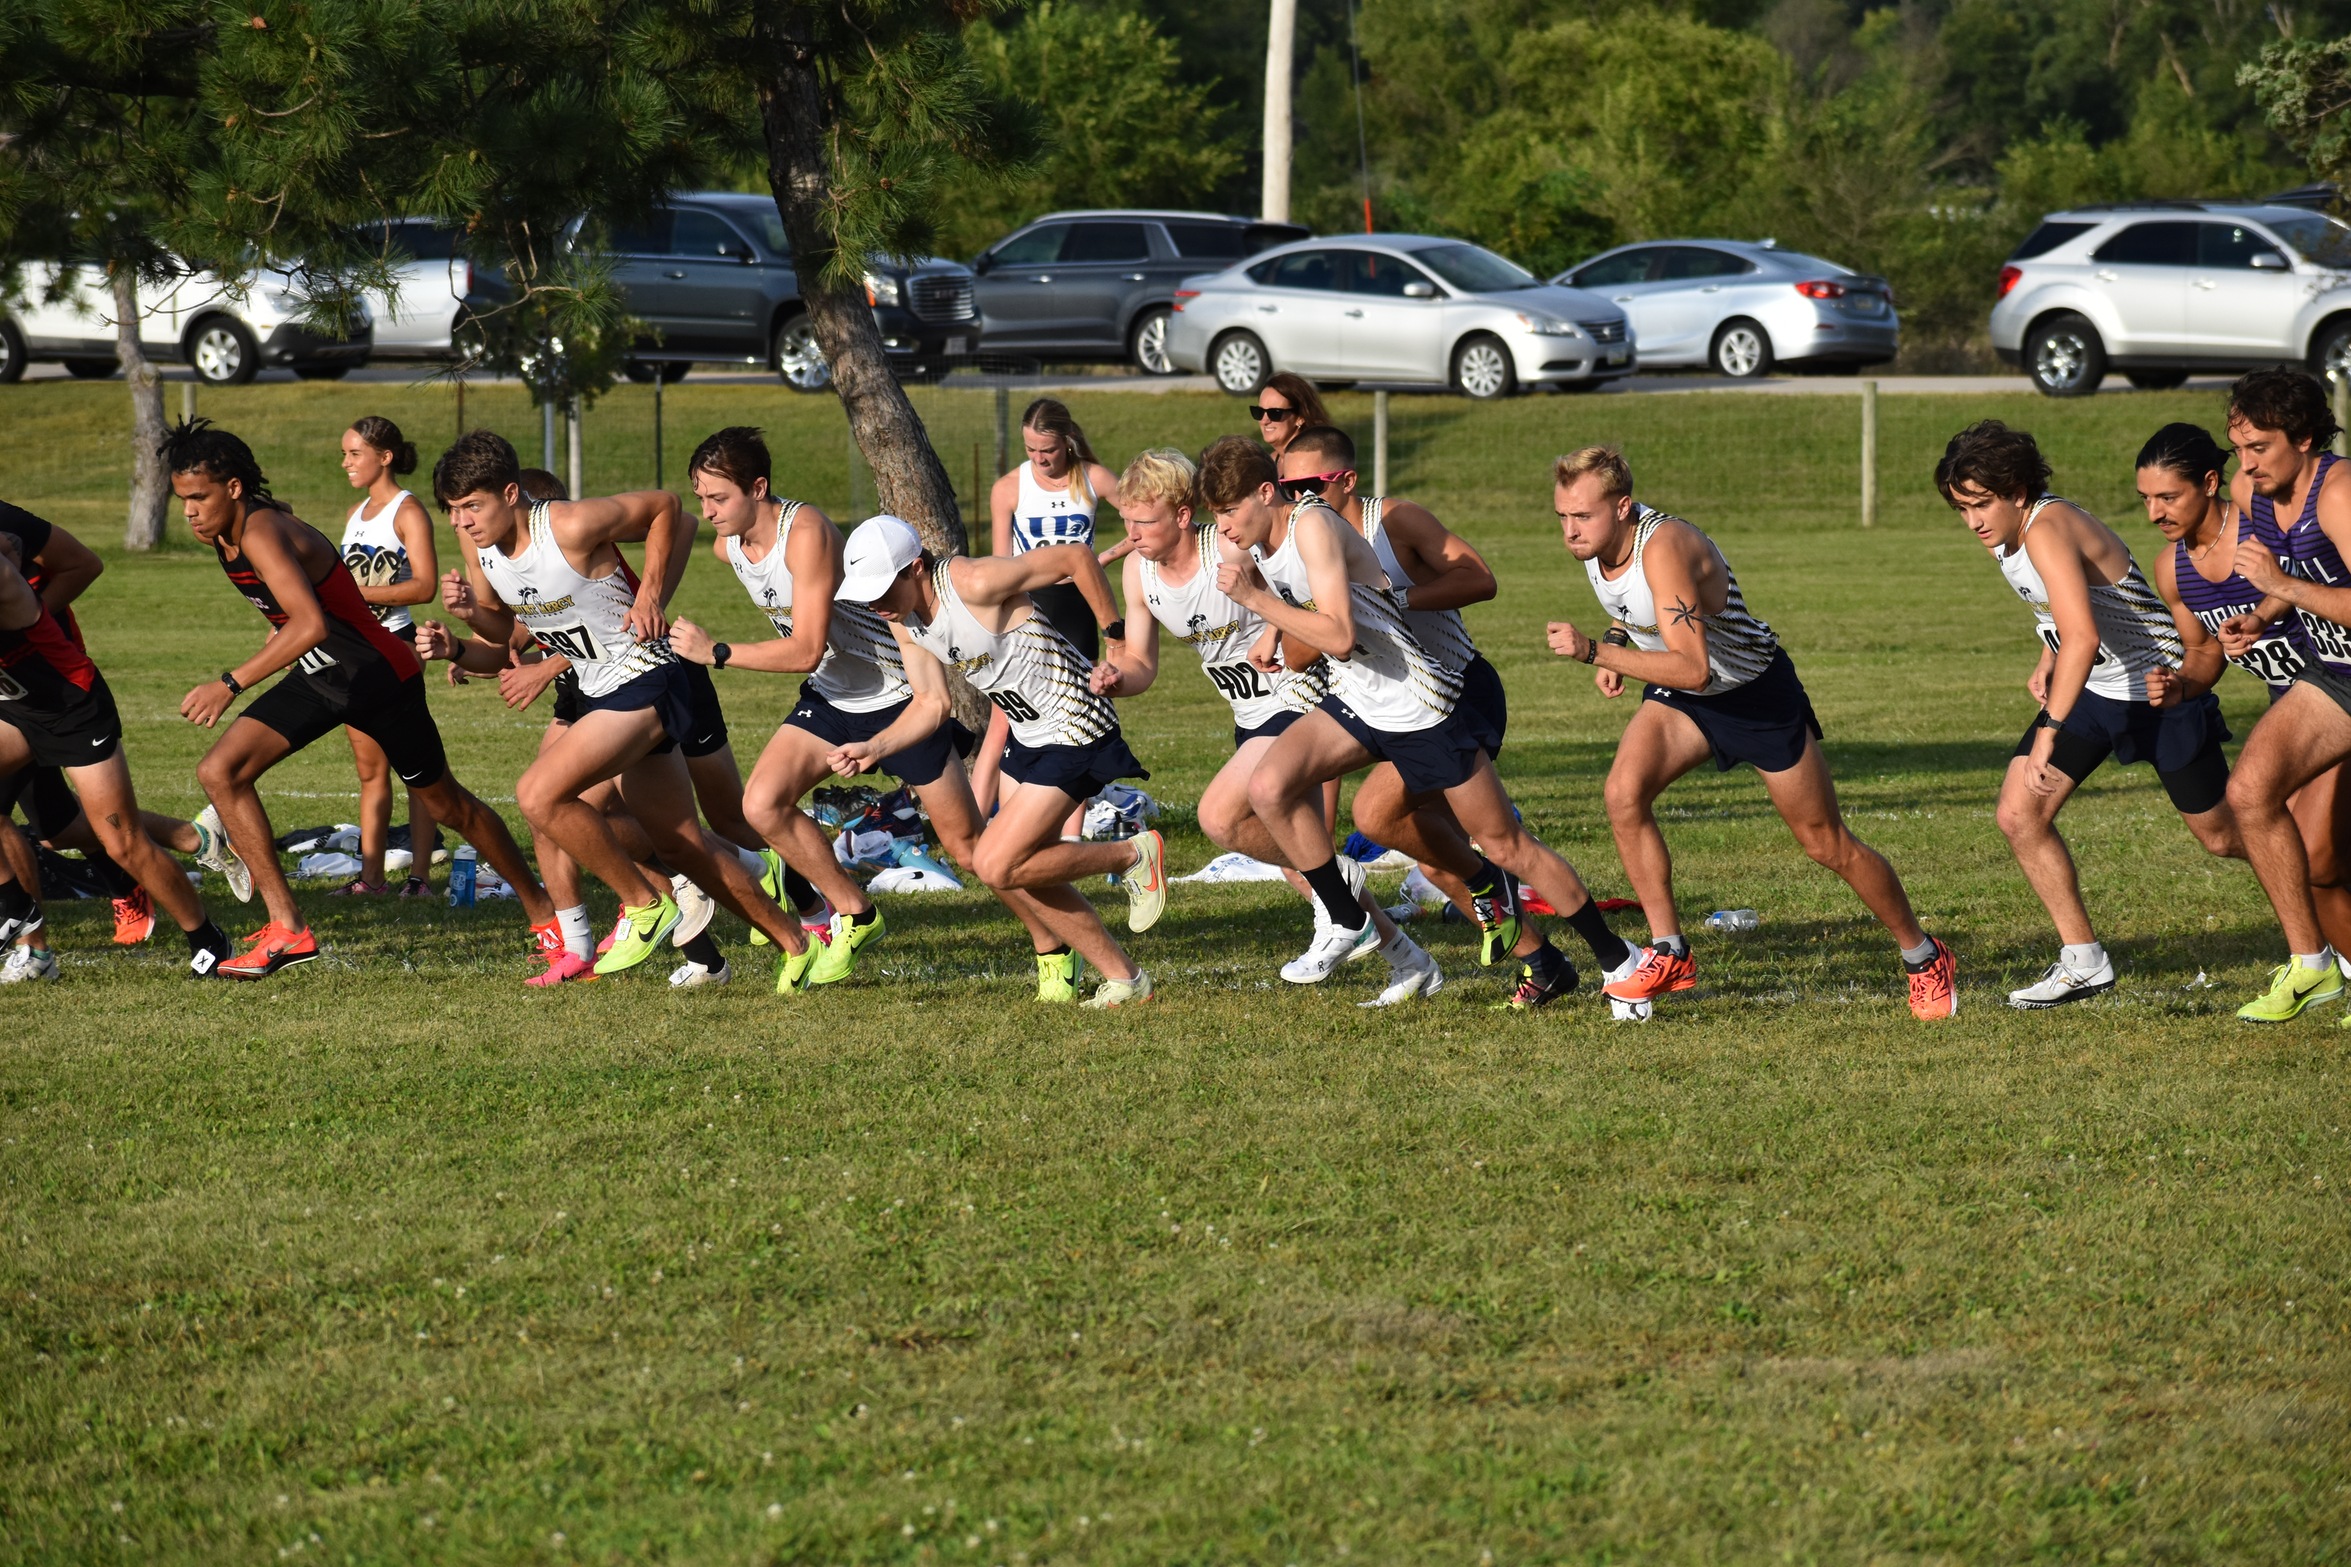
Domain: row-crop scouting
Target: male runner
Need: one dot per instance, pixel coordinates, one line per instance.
(2108, 647)
(1171, 571)
(975, 617)
(1720, 686)
(1318, 584)
(2281, 425)
(556, 567)
(56, 711)
(343, 669)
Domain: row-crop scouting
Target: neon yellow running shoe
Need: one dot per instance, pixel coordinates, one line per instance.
(641, 930)
(2291, 988)
(771, 882)
(840, 950)
(1057, 976)
(792, 970)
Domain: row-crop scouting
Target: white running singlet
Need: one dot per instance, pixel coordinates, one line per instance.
(1441, 631)
(1222, 633)
(1389, 681)
(586, 619)
(377, 558)
(2135, 630)
(1043, 516)
(1738, 646)
(1029, 670)
(861, 671)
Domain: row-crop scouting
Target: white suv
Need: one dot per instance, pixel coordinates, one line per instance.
(2163, 290)
(66, 313)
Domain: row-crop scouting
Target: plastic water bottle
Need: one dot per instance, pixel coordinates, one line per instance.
(461, 877)
(1733, 922)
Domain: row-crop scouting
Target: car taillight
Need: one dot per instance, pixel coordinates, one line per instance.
(2008, 277)
(1181, 295)
(1821, 290)
(466, 287)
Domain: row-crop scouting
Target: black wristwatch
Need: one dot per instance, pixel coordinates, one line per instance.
(720, 652)
(1116, 631)
(229, 679)
(1617, 636)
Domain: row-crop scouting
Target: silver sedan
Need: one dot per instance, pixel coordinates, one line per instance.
(1399, 308)
(1741, 308)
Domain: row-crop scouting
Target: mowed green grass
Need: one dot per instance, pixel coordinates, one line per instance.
(389, 1260)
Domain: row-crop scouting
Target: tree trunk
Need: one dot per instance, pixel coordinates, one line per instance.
(911, 481)
(150, 484)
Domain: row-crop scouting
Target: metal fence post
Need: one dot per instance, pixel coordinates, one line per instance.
(461, 405)
(1003, 427)
(572, 445)
(1379, 443)
(1869, 454)
(547, 436)
(658, 381)
(188, 401)
(2342, 391)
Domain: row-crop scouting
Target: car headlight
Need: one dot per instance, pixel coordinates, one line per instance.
(1546, 326)
(881, 290)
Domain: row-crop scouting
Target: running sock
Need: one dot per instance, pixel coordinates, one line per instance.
(753, 865)
(579, 937)
(2322, 958)
(1491, 881)
(1336, 897)
(1609, 950)
(704, 951)
(1920, 955)
(208, 937)
(119, 882)
(1677, 946)
(867, 918)
(1548, 962)
(2087, 958)
(800, 892)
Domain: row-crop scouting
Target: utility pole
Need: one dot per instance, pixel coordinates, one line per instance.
(1281, 51)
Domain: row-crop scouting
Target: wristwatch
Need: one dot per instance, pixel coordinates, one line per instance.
(1116, 631)
(720, 652)
(229, 679)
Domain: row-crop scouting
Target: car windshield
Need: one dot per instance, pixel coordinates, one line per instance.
(2322, 241)
(1475, 271)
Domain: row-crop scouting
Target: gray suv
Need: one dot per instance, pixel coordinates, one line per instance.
(710, 274)
(1099, 285)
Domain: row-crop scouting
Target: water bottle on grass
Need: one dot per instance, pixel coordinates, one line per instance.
(462, 866)
(1733, 922)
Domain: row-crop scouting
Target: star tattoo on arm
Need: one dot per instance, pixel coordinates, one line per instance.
(1686, 614)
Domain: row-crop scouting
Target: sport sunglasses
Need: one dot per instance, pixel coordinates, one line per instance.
(1307, 484)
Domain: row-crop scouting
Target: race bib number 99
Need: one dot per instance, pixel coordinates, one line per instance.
(1016, 707)
(572, 641)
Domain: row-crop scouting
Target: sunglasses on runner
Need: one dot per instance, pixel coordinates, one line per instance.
(1307, 484)
(1264, 415)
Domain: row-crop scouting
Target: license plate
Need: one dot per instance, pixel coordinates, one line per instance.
(957, 347)
(1617, 356)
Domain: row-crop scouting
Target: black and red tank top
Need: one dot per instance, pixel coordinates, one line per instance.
(354, 639)
(42, 668)
(32, 536)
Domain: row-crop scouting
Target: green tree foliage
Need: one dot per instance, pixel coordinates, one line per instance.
(2304, 85)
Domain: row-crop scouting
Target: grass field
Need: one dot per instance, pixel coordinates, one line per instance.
(389, 1260)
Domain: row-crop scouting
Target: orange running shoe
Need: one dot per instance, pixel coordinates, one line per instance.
(134, 918)
(274, 948)
(1934, 985)
(1659, 973)
(562, 969)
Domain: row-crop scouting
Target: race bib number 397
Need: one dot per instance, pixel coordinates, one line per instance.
(572, 641)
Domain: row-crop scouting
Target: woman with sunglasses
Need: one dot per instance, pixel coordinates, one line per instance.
(1285, 405)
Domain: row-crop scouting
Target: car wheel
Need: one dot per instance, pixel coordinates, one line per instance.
(2065, 357)
(11, 353)
(1482, 368)
(1239, 363)
(1147, 344)
(2158, 380)
(799, 362)
(321, 372)
(91, 369)
(1742, 350)
(2330, 351)
(222, 352)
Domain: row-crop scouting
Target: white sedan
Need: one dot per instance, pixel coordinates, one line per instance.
(1397, 308)
(1741, 307)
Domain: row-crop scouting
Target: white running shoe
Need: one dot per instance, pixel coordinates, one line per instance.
(28, 963)
(1355, 874)
(692, 976)
(1412, 971)
(1113, 993)
(694, 911)
(2060, 985)
(1333, 945)
(214, 854)
(1146, 884)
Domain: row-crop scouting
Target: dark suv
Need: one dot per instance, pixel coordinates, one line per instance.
(1098, 285)
(710, 275)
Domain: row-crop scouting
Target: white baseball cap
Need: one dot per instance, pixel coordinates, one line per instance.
(881, 548)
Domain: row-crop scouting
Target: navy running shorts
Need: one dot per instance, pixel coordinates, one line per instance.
(663, 688)
(2184, 744)
(1483, 706)
(1762, 724)
(1430, 760)
(923, 762)
(1079, 771)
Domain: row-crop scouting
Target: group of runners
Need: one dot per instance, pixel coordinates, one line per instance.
(1328, 619)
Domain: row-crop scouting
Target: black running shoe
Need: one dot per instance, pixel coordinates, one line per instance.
(1542, 980)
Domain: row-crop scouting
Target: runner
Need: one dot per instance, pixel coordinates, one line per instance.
(1286, 404)
(2281, 425)
(1717, 685)
(1320, 588)
(341, 667)
(388, 544)
(56, 711)
(1051, 498)
(1172, 572)
(975, 617)
(2105, 634)
(556, 567)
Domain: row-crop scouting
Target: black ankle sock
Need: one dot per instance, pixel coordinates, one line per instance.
(867, 918)
(704, 951)
(1337, 898)
(17, 904)
(1608, 948)
(1547, 961)
(1054, 952)
(1490, 881)
(119, 882)
(800, 891)
(208, 937)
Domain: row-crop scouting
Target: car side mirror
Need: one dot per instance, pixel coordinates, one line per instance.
(980, 264)
(1418, 290)
(2268, 261)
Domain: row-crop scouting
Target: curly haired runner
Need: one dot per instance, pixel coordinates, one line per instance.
(1719, 687)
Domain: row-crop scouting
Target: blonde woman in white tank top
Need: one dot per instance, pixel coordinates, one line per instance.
(388, 544)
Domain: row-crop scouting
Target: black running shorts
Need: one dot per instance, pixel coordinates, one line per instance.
(2182, 742)
(923, 762)
(1762, 724)
(50, 805)
(87, 729)
(663, 688)
(1482, 706)
(1079, 771)
(381, 704)
(709, 725)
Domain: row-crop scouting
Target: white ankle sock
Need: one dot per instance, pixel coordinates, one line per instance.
(579, 937)
(2316, 960)
(751, 863)
(2086, 959)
